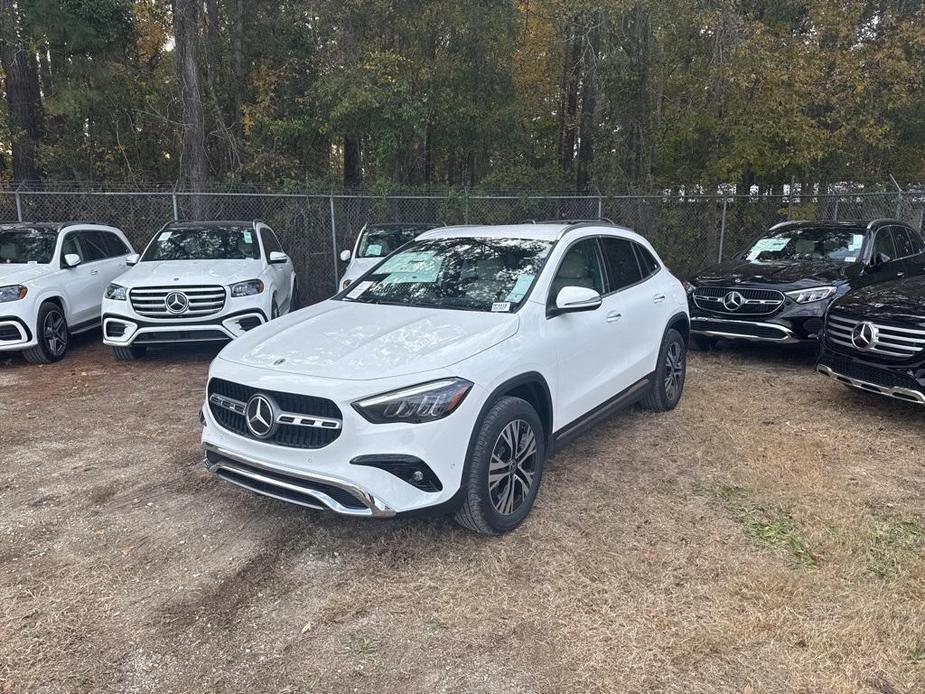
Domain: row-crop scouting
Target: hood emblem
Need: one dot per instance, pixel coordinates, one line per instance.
(864, 336)
(733, 301)
(176, 302)
(260, 416)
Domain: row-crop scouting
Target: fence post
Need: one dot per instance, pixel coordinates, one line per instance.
(837, 200)
(722, 230)
(466, 205)
(18, 204)
(790, 199)
(600, 206)
(173, 197)
(899, 205)
(333, 240)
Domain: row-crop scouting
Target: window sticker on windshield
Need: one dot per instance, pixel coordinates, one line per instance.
(165, 236)
(248, 237)
(358, 290)
(500, 307)
(857, 240)
(771, 245)
(374, 249)
(413, 267)
(520, 288)
(851, 259)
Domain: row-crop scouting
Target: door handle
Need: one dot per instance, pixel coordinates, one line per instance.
(613, 317)
(94, 272)
(900, 274)
(658, 298)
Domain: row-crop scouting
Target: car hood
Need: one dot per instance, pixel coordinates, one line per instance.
(900, 300)
(778, 275)
(21, 273)
(358, 342)
(168, 272)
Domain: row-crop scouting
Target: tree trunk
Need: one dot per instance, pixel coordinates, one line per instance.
(23, 95)
(195, 166)
(572, 74)
(588, 106)
(353, 170)
(237, 67)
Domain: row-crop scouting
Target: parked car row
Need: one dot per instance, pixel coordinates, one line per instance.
(856, 289)
(194, 282)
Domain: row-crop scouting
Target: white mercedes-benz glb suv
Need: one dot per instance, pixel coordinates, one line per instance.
(52, 278)
(443, 378)
(198, 282)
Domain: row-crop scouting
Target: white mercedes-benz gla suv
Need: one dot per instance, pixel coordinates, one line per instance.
(52, 278)
(443, 378)
(198, 282)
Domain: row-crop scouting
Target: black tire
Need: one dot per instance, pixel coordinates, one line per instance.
(130, 353)
(670, 373)
(274, 309)
(704, 343)
(294, 297)
(53, 336)
(499, 506)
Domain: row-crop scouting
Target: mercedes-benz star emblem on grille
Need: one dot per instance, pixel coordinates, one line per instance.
(176, 302)
(733, 301)
(260, 416)
(864, 335)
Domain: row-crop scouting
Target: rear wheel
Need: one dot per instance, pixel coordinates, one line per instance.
(130, 353)
(504, 469)
(52, 333)
(274, 309)
(669, 374)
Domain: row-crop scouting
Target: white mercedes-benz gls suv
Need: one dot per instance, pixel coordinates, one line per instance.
(443, 378)
(198, 282)
(52, 278)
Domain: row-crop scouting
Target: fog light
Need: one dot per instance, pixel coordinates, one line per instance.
(412, 470)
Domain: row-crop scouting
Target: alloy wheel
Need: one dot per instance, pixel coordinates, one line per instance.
(55, 333)
(512, 470)
(674, 370)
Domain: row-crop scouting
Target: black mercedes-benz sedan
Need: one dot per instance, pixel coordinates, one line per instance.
(778, 289)
(874, 339)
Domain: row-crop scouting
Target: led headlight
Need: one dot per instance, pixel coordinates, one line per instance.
(248, 288)
(808, 296)
(423, 403)
(116, 292)
(13, 292)
(689, 287)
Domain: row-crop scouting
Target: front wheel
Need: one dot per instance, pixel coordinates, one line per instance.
(504, 468)
(669, 374)
(52, 333)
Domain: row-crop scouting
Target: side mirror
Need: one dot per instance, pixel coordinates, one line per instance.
(71, 259)
(278, 258)
(575, 299)
(345, 255)
(132, 259)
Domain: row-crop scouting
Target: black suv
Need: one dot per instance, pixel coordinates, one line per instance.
(874, 339)
(777, 289)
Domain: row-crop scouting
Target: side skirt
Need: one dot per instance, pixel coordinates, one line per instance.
(85, 326)
(586, 421)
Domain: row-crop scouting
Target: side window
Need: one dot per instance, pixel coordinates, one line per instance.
(114, 245)
(71, 245)
(622, 268)
(883, 244)
(93, 246)
(581, 267)
(270, 242)
(647, 262)
(918, 245)
(903, 243)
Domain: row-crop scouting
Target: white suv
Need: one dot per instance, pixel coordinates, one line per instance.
(52, 278)
(443, 378)
(198, 282)
(374, 243)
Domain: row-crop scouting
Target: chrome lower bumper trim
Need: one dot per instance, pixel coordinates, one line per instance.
(727, 329)
(373, 507)
(904, 394)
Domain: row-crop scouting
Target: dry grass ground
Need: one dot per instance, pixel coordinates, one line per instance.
(767, 536)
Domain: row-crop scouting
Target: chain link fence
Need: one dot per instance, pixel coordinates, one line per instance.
(689, 231)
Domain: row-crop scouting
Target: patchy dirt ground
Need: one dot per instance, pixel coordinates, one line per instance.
(767, 536)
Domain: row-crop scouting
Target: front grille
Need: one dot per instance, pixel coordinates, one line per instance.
(202, 301)
(9, 333)
(846, 366)
(320, 417)
(754, 302)
(893, 341)
(168, 336)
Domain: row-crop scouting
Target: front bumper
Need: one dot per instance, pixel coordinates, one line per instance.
(122, 327)
(898, 381)
(306, 476)
(17, 324)
(792, 323)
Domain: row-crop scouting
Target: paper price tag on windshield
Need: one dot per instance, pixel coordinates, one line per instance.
(501, 307)
(165, 236)
(358, 290)
(248, 238)
(374, 249)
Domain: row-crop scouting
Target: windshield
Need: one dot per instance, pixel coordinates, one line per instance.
(206, 243)
(464, 273)
(378, 242)
(27, 245)
(837, 245)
